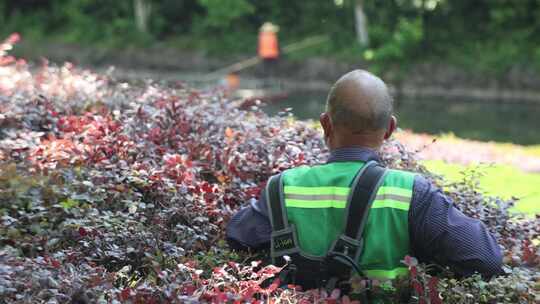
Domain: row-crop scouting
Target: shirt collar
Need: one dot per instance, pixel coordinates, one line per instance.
(353, 154)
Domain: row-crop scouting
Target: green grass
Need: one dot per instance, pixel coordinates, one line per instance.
(533, 150)
(499, 180)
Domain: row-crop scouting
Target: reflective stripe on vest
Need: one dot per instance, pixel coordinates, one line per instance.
(336, 197)
(315, 199)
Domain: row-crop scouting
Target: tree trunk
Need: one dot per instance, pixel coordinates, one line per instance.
(142, 14)
(361, 23)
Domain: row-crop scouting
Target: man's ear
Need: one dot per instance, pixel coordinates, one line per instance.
(392, 125)
(326, 124)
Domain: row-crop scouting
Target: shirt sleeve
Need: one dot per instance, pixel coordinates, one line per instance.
(250, 227)
(442, 234)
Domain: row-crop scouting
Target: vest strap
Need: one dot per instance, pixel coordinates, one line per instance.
(283, 240)
(276, 203)
(349, 245)
(363, 193)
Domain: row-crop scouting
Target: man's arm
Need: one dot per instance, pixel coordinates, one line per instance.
(440, 233)
(250, 227)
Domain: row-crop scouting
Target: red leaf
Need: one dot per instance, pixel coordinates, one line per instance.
(206, 187)
(418, 288)
(528, 253)
(83, 232)
(248, 294)
(189, 289)
(410, 261)
(125, 294)
(414, 272)
(432, 284)
(13, 38)
(273, 286)
(55, 263)
(6, 60)
(220, 297)
(433, 292)
(155, 135)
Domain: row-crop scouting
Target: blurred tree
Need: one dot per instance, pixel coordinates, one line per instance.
(222, 14)
(361, 23)
(492, 35)
(174, 17)
(143, 9)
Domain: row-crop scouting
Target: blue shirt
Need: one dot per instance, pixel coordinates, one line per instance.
(438, 231)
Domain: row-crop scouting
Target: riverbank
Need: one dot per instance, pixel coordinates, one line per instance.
(503, 170)
(429, 79)
(471, 152)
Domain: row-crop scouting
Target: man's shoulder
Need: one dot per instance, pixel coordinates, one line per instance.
(395, 176)
(299, 171)
(325, 168)
(389, 171)
(401, 177)
(301, 168)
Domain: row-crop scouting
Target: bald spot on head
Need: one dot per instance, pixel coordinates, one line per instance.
(360, 102)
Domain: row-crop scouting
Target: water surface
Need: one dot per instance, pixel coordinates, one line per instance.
(485, 121)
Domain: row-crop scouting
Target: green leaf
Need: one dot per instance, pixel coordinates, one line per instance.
(69, 203)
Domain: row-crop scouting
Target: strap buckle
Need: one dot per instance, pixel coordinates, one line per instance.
(347, 246)
(343, 255)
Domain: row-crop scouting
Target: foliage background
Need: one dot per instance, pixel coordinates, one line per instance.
(491, 36)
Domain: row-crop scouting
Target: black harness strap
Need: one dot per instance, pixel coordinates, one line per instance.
(274, 201)
(283, 240)
(349, 245)
(361, 197)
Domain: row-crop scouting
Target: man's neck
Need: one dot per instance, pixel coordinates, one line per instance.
(353, 153)
(355, 146)
(369, 140)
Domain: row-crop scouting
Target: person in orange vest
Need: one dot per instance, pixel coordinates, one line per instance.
(230, 83)
(268, 48)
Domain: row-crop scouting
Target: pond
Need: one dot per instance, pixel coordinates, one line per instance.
(485, 121)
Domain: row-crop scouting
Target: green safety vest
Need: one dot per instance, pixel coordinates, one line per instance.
(315, 202)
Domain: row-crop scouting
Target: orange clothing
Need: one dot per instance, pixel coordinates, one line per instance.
(233, 81)
(268, 45)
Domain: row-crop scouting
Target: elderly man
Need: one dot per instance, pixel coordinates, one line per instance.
(406, 215)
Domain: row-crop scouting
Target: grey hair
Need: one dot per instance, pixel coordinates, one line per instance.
(373, 115)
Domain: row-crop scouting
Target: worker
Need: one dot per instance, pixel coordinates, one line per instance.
(268, 48)
(230, 83)
(306, 212)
